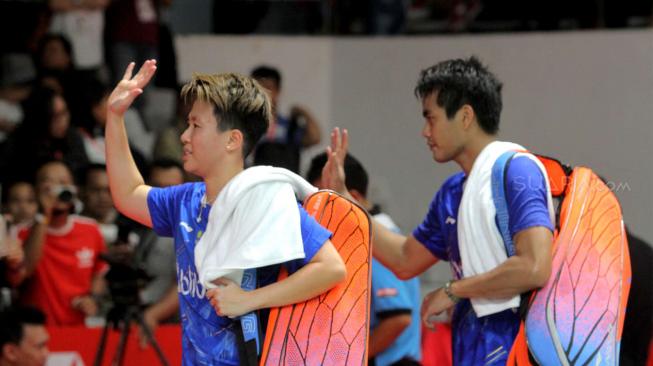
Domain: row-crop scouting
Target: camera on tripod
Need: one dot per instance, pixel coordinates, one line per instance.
(125, 279)
(126, 276)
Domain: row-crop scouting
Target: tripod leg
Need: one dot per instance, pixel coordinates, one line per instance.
(103, 343)
(119, 356)
(150, 338)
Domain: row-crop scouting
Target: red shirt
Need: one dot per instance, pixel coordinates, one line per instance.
(70, 261)
(133, 21)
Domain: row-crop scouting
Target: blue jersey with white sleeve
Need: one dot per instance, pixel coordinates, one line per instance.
(486, 340)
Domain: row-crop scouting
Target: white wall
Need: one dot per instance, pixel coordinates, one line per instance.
(585, 97)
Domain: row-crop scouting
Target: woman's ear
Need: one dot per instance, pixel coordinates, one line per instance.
(236, 140)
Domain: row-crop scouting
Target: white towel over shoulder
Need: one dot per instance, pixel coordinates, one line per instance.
(253, 223)
(481, 246)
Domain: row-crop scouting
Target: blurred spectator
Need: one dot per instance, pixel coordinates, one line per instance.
(57, 70)
(21, 209)
(98, 204)
(92, 118)
(167, 58)
(387, 16)
(132, 34)
(45, 134)
(10, 116)
(11, 262)
(62, 250)
(21, 203)
(23, 337)
(168, 144)
(22, 24)
(82, 22)
(285, 137)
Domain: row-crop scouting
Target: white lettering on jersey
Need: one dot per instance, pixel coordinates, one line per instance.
(188, 283)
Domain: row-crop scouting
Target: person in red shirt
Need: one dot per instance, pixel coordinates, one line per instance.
(62, 263)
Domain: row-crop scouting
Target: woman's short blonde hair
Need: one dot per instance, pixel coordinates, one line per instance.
(239, 102)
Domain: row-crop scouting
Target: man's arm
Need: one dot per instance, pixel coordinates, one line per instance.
(528, 269)
(386, 332)
(88, 304)
(325, 270)
(159, 311)
(128, 188)
(405, 256)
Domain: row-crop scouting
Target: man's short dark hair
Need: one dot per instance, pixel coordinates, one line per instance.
(50, 37)
(13, 319)
(459, 82)
(355, 174)
(267, 72)
(86, 171)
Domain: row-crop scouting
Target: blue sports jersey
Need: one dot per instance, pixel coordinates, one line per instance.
(207, 339)
(391, 296)
(487, 340)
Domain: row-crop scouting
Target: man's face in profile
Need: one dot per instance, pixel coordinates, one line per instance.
(32, 350)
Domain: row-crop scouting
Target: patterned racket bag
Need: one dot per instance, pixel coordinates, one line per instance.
(333, 328)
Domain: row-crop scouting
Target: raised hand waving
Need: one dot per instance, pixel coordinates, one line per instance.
(129, 87)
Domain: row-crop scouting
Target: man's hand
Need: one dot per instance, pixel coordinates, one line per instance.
(86, 304)
(15, 254)
(229, 299)
(151, 321)
(434, 303)
(333, 173)
(130, 87)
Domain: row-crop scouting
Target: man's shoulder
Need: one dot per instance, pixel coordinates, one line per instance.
(452, 185)
(84, 225)
(453, 181)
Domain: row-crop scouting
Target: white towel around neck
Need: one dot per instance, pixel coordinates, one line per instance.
(479, 240)
(253, 223)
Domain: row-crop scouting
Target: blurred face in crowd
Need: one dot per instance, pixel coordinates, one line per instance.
(99, 111)
(273, 89)
(55, 56)
(97, 197)
(49, 177)
(166, 177)
(32, 350)
(21, 202)
(60, 118)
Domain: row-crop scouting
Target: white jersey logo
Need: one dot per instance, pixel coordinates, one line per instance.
(450, 220)
(85, 257)
(186, 227)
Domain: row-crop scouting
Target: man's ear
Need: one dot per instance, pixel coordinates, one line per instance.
(10, 352)
(468, 115)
